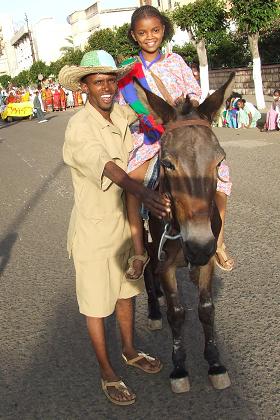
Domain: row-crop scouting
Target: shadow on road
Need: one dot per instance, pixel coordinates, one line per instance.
(10, 235)
(61, 379)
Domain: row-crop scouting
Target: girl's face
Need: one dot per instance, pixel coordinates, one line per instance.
(148, 33)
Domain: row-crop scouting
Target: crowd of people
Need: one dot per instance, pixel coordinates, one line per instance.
(48, 98)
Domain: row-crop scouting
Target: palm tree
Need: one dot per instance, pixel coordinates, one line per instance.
(70, 47)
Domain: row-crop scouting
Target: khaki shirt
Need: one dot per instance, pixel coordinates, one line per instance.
(98, 224)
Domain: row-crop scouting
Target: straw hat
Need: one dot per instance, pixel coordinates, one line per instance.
(93, 62)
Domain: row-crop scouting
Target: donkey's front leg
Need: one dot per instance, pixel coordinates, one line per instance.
(176, 316)
(217, 372)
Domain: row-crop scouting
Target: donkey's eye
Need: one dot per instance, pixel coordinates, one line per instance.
(167, 164)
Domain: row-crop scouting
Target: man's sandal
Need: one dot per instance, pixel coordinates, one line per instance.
(130, 273)
(120, 387)
(223, 260)
(141, 356)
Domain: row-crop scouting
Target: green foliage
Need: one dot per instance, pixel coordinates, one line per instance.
(39, 67)
(5, 80)
(269, 47)
(187, 51)
(124, 48)
(232, 51)
(204, 19)
(105, 39)
(252, 16)
(22, 79)
(70, 47)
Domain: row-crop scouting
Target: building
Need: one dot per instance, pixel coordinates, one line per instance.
(41, 42)
(98, 16)
(24, 49)
(7, 53)
(166, 4)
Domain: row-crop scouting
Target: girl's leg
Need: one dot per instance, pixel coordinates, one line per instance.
(135, 221)
(224, 261)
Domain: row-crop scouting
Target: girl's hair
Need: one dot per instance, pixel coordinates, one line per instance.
(147, 12)
(276, 91)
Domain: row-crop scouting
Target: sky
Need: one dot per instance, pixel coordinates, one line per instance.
(58, 9)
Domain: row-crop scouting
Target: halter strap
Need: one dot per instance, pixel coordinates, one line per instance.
(177, 124)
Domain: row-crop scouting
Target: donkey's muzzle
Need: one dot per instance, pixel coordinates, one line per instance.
(199, 254)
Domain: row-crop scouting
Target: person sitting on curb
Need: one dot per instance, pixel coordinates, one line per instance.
(97, 146)
(248, 115)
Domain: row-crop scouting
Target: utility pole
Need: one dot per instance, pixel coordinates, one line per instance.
(30, 40)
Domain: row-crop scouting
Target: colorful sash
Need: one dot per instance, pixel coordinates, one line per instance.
(152, 131)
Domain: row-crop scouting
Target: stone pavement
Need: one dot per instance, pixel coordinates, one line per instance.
(47, 367)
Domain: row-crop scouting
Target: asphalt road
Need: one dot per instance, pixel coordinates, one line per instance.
(47, 367)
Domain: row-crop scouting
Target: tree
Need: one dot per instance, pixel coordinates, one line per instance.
(205, 22)
(104, 39)
(70, 47)
(124, 48)
(187, 51)
(253, 17)
(39, 67)
(5, 80)
(22, 79)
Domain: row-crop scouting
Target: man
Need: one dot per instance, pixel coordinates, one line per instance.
(97, 145)
(37, 107)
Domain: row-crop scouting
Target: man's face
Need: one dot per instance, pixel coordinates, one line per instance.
(101, 89)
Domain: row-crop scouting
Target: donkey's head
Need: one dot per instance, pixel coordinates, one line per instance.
(190, 158)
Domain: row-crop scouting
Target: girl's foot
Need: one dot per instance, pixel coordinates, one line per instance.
(223, 260)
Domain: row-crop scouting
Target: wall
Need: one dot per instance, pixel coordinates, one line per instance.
(244, 83)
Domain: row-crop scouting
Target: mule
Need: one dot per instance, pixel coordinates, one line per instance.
(190, 156)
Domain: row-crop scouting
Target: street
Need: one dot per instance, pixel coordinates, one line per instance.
(47, 366)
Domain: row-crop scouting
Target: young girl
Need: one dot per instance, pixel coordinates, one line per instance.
(168, 76)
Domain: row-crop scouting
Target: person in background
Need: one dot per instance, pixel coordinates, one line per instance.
(272, 122)
(69, 98)
(37, 107)
(247, 115)
(56, 100)
(49, 99)
(195, 71)
(62, 98)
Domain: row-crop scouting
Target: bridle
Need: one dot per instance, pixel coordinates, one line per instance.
(169, 220)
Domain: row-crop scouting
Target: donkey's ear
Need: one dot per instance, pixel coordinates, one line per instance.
(160, 110)
(210, 107)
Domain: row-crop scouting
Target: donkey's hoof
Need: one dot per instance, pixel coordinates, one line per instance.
(161, 301)
(180, 385)
(154, 324)
(220, 381)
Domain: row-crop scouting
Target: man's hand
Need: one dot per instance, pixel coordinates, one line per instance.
(153, 201)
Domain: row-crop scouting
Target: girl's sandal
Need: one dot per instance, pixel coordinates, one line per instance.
(130, 273)
(223, 260)
(121, 388)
